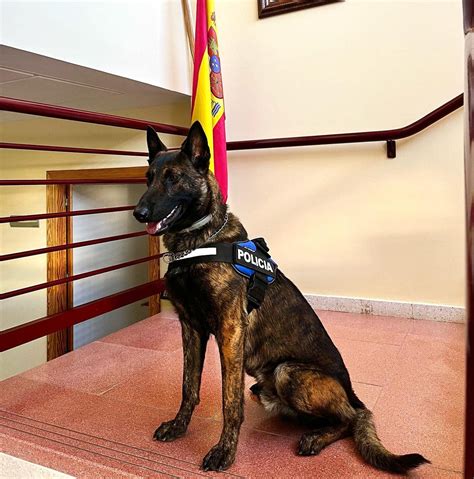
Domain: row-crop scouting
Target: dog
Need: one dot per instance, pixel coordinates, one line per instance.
(282, 344)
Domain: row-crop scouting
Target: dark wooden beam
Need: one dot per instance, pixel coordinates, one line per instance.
(469, 172)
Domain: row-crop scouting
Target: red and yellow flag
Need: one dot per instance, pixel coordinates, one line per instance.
(208, 94)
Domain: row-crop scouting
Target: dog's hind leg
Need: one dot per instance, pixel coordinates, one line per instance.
(314, 394)
(264, 392)
(194, 349)
(314, 442)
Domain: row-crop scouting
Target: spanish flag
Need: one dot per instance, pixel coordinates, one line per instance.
(208, 94)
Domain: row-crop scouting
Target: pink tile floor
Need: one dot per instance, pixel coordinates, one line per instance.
(92, 412)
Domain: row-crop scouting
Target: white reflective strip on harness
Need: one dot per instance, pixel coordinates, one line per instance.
(200, 252)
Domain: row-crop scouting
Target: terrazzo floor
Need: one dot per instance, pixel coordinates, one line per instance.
(92, 412)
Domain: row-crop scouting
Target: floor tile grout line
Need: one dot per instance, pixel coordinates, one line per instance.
(446, 469)
(92, 452)
(269, 432)
(45, 381)
(391, 373)
(403, 342)
(120, 345)
(389, 377)
(368, 384)
(335, 337)
(155, 408)
(108, 389)
(91, 392)
(140, 347)
(66, 387)
(379, 393)
(103, 447)
(217, 418)
(108, 440)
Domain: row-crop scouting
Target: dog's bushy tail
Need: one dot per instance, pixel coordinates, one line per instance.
(371, 449)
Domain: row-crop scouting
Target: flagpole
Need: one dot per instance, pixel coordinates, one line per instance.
(188, 23)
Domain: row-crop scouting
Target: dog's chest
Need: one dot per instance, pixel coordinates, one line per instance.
(206, 293)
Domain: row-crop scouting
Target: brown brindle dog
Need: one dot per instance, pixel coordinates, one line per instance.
(282, 344)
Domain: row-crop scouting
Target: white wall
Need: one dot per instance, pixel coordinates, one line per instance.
(143, 40)
(345, 220)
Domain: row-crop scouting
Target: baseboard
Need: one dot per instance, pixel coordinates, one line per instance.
(434, 312)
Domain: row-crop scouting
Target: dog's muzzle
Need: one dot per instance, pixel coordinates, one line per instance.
(143, 215)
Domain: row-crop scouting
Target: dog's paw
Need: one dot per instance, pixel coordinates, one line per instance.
(219, 458)
(309, 445)
(169, 431)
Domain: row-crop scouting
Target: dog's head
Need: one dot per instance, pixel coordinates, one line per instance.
(178, 183)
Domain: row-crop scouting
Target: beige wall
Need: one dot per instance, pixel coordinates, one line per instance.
(27, 200)
(345, 220)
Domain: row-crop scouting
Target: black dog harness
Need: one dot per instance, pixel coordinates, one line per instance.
(249, 258)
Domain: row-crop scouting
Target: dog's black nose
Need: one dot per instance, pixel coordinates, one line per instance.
(141, 213)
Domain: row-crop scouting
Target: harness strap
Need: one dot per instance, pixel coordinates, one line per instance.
(249, 258)
(256, 291)
(221, 253)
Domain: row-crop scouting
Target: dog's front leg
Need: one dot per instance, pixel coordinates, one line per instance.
(231, 348)
(194, 349)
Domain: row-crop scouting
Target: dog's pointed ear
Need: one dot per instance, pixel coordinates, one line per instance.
(197, 148)
(154, 143)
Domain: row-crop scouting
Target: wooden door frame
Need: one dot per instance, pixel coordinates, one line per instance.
(60, 263)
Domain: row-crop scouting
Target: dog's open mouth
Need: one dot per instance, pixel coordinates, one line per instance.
(154, 228)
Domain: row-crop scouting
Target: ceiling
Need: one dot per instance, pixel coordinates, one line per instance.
(33, 77)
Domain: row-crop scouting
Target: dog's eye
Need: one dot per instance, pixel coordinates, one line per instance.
(171, 177)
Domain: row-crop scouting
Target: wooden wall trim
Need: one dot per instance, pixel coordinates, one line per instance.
(59, 342)
(154, 273)
(99, 173)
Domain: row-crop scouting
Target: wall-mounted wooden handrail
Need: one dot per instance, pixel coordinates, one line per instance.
(389, 136)
(24, 333)
(74, 181)
(70, 149)
(45, 216)
(79, 244)
(77, 277)
(358, 137)
(16, 105)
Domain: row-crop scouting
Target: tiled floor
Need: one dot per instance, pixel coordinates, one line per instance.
(92, 412)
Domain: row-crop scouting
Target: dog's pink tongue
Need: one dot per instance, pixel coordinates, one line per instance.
(151, 228)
